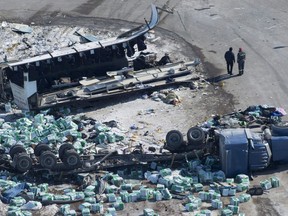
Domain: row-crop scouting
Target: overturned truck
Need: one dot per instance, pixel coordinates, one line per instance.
(239, 149)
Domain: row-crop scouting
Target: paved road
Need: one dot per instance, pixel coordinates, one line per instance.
(257, 26)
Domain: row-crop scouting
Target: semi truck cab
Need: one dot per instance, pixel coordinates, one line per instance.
(242, 151)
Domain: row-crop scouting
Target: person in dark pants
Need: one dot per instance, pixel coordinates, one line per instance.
(241, 58)
(230, 59)
(165, 60)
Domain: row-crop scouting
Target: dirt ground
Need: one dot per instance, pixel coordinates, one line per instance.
(195, 106)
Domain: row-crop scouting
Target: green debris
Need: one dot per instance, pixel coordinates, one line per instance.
(217, 204)
(157, 195)
(165, 172)
(191, 207)
(275, 182)
(17, 201)
(242, 187)
(234, 201)
(149, 212)
(242, 178)
(91, 200)
(111, 211)
(266, 184)
(85, 212)
(198, 187)
(119, 205)
(244, 198)
(226, 212)
(85, 205)
(234, 209)
(111, 197)
(124, 196)
(166, 194)
(97, 208)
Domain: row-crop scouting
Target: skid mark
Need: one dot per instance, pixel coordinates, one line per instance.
(39, 13)
(88, 7)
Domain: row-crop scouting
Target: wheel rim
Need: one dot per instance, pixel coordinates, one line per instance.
(175, 138)
(49, 162)
(195, 134)
(72, 160)
(23, 164)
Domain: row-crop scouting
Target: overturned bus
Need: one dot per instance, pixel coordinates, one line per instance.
(27, 80)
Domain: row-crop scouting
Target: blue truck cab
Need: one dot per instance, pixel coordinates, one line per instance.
(242, 151)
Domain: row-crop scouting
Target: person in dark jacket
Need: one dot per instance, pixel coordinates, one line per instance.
(230, 59)
(241, 58)
(165, 60)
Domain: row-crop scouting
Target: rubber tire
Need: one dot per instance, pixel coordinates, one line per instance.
(2, 150)
(195, 136)
(174, 140)
(15, 149)
(277, 130)
(255, 191)
(48, 159)
(63, 148)
(41, 147)
(22, 162)
(71, 158)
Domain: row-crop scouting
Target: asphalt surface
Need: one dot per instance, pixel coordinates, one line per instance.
(211, 27)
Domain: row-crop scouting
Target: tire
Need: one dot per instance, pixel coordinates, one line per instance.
(22, 162)
(15, 149)
(278, 130)
(48, 159)
(2, 150)
(63, 148)
(255, 191)
(174, 140)
(195, 136)
(41, 147)
(71, 158)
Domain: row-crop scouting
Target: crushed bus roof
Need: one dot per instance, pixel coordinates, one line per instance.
(125, 37)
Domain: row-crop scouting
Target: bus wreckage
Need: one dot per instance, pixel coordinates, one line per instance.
(89, 71)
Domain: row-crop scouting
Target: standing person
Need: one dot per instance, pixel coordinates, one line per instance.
(230, 60)
(241, 57)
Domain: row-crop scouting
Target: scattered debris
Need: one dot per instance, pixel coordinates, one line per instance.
(195, 181)
(21, 28)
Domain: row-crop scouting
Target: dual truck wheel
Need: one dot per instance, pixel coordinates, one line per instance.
(67, 154)
(175, 140)
(47, 159)
(21, 160)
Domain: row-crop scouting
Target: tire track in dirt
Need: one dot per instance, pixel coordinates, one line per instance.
(40, 13)
(265, 207)
(88, 7)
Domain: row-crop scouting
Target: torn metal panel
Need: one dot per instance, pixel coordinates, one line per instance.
(87, 37)
(132, 34)
(37, 80)
(154, 19)
(136, 81)
(21, 28)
